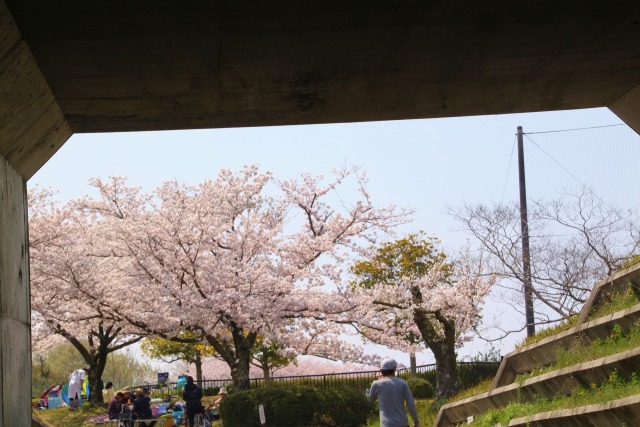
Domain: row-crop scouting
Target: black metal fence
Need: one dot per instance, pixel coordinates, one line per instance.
(470, 374)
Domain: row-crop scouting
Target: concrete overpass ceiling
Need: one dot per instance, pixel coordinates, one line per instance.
(167, 64)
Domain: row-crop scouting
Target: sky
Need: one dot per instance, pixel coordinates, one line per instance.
(423, 164)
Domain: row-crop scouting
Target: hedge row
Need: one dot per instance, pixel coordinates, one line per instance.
(297, 406)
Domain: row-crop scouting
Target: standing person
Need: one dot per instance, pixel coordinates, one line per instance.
(108, 393)
(192, 396)
(391, 393)
(75, 388)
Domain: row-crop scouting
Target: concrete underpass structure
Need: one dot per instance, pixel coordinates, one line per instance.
(70, 66)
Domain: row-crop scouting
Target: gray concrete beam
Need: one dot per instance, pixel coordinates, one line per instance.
(198, 64)
(627, 107)
(32, 126)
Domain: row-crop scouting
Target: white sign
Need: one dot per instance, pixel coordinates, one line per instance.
(263, 419)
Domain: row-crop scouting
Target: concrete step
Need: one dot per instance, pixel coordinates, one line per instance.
(558, 382)
(543, 352)
(616, 413)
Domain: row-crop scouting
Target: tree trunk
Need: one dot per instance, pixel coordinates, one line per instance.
(96, 364)
(443, 346)
(238, 356)
(266, 373)
(95, 358)
(412, 362)
(198, 363)
(240, 373)
(446, 369)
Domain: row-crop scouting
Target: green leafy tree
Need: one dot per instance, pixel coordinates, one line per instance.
(41, 377)
(122, 368)
(172, 351)
(125, 369)
(269, 356)
(411, 294)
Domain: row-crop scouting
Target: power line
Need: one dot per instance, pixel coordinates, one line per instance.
(571, 130)
(565, 169)
(555, 161)
(506, 179)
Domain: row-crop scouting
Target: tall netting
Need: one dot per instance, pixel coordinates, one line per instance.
(583, 191)
(605, 159)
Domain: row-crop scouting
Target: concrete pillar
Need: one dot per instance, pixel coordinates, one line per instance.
(627, 107)
(15, 332)
(32, 128)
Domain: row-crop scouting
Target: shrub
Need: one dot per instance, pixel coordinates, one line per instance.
(297, 406)
(210, 391)
(420, 388)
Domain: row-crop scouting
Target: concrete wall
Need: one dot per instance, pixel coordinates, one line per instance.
(627, 107)
(32, 128)
(15, 333)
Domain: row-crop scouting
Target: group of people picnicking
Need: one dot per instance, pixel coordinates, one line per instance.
(139, 405)
(391, 393)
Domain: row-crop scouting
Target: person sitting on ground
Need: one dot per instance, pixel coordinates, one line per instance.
(177, 406)
(128, 399)
(214, 406)
(142, 408)
(108, 393)
(115, 406)
(192, 396)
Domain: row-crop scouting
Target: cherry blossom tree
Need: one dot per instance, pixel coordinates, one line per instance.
(238, 258)
(408, 293)
(68, 285)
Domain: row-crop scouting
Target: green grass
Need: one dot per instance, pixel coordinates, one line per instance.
(547, 332)
(617, 301)
(472, 391)
(426, 414)
(614, 388)
(426, 411)
(62, 417)
(617, 342)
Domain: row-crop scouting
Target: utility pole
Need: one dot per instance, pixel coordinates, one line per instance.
(524, 228)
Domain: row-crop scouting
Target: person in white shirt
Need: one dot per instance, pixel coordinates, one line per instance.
(75, 388)
(391, 393)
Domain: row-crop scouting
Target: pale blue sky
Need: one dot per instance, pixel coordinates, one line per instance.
(425, 164)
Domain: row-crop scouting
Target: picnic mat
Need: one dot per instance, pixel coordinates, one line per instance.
(98, 419)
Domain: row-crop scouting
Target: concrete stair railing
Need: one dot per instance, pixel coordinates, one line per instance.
(543, 353)
(615, 413)
(558, 382)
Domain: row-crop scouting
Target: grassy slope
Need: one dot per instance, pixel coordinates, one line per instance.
(62, 417)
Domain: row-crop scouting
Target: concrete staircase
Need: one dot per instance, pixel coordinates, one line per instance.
(528, 359)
